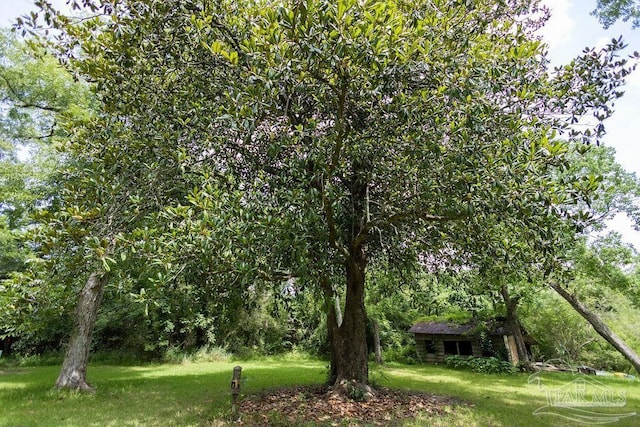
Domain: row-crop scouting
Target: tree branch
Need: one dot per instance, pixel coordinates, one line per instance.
(39, 107)
(24, 104)
(50, 134)
(402, 216)
(331, 223)
(340, 128)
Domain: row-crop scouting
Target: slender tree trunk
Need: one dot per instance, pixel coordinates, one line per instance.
(376, 342)
(600, 327)
(513, 323)
(348, 341)
(73, 373)
(332, 320)
(338, 310)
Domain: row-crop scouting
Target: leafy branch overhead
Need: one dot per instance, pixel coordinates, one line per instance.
(609, 11)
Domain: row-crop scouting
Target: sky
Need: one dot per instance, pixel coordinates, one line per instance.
(570, 29)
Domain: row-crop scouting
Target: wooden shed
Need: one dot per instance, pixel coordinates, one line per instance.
(437, 340)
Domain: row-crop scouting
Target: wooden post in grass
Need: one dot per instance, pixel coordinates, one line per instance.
(235, 389)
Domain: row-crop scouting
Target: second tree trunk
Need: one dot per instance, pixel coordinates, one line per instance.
(73, 373)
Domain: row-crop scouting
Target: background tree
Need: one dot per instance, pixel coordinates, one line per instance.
(37, 94)
(609, 11)
(27, 125)
(617, 193)
(129, 176)
(593, 274)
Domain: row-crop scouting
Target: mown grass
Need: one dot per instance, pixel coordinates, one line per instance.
(505, 399)
(197, 394)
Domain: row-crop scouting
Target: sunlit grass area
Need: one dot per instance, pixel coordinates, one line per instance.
(197, 394)
(180, 394)
(512, 399)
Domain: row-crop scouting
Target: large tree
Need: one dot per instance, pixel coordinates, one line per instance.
(354, 131)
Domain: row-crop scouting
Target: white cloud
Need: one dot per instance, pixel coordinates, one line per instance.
(12, 9)
(559, 29)
(633, 80)
(623, 225)
(602, 42)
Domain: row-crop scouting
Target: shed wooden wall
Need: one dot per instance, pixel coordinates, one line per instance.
(439, 355)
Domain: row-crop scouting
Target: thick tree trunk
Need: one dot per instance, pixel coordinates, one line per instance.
(348, 341)
(6, 346)
(73, 373)
(376, 342)
(513, 323)
(600, 327)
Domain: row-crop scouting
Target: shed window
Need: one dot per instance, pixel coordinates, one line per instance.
(450, 347)
(430, 346)
(462, 348)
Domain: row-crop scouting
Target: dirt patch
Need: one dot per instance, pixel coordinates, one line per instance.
(320, 405)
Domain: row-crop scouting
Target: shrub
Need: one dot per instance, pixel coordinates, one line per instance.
(480, 364)
(406, 354)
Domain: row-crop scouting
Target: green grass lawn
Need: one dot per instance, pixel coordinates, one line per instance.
(196, 394)
(511, 399)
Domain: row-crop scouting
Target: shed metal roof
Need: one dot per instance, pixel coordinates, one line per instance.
(496, 328)
(442, 328)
